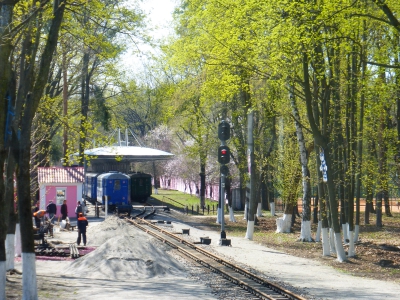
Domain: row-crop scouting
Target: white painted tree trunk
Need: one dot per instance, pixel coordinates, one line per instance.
(356, 232)
(352, 250)
(283, 224)
(325, 242)
(10, 251)
(156, 191)
(29, 285)
(345, 232)
(2, 280)
(305, 233)
(219, 216)
(332, 240)
(272, 206)
(245, 210)
(259, 210)
(341, 255)
(318, 234)
(250, 230)
(231, 215)
(18, 241)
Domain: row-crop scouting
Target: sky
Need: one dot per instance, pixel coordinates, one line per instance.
(160, 16)
(160, 13)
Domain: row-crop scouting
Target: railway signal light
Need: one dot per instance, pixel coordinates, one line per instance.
(224, 170)
(224, 155)
(224, 131)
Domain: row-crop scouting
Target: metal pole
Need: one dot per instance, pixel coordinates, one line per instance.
(222, 204)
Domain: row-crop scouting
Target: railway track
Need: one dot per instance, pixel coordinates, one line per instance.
(248, 281)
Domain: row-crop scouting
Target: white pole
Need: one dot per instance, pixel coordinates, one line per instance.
(106, 209)
(119, 137)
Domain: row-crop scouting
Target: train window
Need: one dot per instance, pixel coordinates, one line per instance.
(117, 185)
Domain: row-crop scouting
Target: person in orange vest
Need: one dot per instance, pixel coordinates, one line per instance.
(39, 214)
(82, 224)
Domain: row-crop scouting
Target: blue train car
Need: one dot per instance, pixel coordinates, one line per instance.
(116, 186)
(90, 189)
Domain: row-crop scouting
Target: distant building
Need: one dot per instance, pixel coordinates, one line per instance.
(59, 184)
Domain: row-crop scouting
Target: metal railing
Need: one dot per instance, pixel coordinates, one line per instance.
(193, 209)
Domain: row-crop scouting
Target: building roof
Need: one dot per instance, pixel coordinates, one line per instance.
(61, 175)
(130, 153)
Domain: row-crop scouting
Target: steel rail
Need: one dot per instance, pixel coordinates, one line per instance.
(273, 287)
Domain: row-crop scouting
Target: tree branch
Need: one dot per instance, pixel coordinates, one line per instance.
(382, 65)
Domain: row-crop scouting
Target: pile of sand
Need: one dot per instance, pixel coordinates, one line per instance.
(124, 252)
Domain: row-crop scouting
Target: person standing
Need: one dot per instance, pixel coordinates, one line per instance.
(64, 210)
(82, 224)
(78, 209)
(51, 210)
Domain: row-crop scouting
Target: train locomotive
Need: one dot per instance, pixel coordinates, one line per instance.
(119, 188)
(114, 187)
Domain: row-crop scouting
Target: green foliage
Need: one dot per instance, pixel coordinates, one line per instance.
(288, 169)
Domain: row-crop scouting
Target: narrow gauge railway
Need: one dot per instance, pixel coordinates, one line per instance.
(248, 281)
(145, 211)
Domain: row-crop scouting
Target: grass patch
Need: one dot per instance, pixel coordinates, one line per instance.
(178, 200)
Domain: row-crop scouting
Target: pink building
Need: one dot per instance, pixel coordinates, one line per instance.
(59, 184)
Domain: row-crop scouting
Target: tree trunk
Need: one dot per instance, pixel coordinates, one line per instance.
(12, 216)
(341, 190)
(65, 107)
(6, 15)
(283, 224)
(323, 141)
(360, 146)
(315, 209)
(85, 81)
(379, 197)
(202, 184)
(305, 234)
(228, 181)
(271, 192)
(155, 179)
(250, 159)
(22, 147)
(3, 229)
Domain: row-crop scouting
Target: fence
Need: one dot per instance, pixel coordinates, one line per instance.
(212, 193)
(394, 203)
(188, 187)
(193, 209)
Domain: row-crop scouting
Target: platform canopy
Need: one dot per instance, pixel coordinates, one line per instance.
(130, 153)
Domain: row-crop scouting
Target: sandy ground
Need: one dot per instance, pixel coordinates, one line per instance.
(319, 281)
(115, 270)
(127, 264)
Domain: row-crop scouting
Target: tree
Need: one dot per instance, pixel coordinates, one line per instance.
(30, 91)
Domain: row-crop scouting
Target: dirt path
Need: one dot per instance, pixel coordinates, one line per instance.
(128, 264)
